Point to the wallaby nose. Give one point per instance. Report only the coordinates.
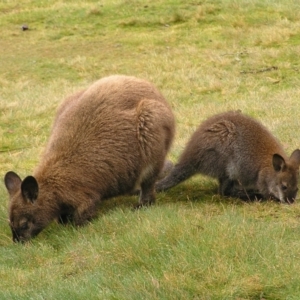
(290, 200)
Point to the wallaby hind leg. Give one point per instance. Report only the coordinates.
(167, 168)
(232, 188)
(147, 193)
(168, 165)
(178, 174)
(226, 186)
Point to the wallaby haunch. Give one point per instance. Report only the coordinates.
(239, 152)
(106, 141)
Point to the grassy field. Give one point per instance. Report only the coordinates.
(206, 57)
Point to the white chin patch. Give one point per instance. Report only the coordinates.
(277, 193)
(280, 195)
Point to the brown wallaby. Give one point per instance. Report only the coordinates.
(106, 141)
(239, 152)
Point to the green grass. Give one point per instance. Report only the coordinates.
(206, 57)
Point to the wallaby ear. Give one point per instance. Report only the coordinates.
(12, 182)
(30, 189)
(278, 162)
(295, 157)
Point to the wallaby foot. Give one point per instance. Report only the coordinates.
(147, 201)
(226, 186)
(147, 197)
(246, 195)
(232, 188)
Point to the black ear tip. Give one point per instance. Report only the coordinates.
(30, 188)
(278, 162)
(29, 179)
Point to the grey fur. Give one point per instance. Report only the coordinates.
(242, 154)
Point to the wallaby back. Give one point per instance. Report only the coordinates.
(106, 141)
(238, 151)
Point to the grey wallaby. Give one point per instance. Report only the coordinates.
(107, 140)
(242, 154)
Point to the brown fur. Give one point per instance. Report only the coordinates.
(239, 152)
(106, 141)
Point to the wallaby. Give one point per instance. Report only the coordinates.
(242, 154)
(107, 140)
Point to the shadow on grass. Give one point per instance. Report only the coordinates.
(188, 193)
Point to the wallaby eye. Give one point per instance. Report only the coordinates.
(283, 187)
(24, 225)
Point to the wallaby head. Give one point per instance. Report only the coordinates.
(284, 185)
(105, 141)
(242, 154)
(26, 217)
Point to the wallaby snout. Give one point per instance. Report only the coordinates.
(286, 177)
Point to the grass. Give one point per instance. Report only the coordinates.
(206, 57)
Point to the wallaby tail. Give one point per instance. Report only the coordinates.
(166, 170)
(178, 174)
